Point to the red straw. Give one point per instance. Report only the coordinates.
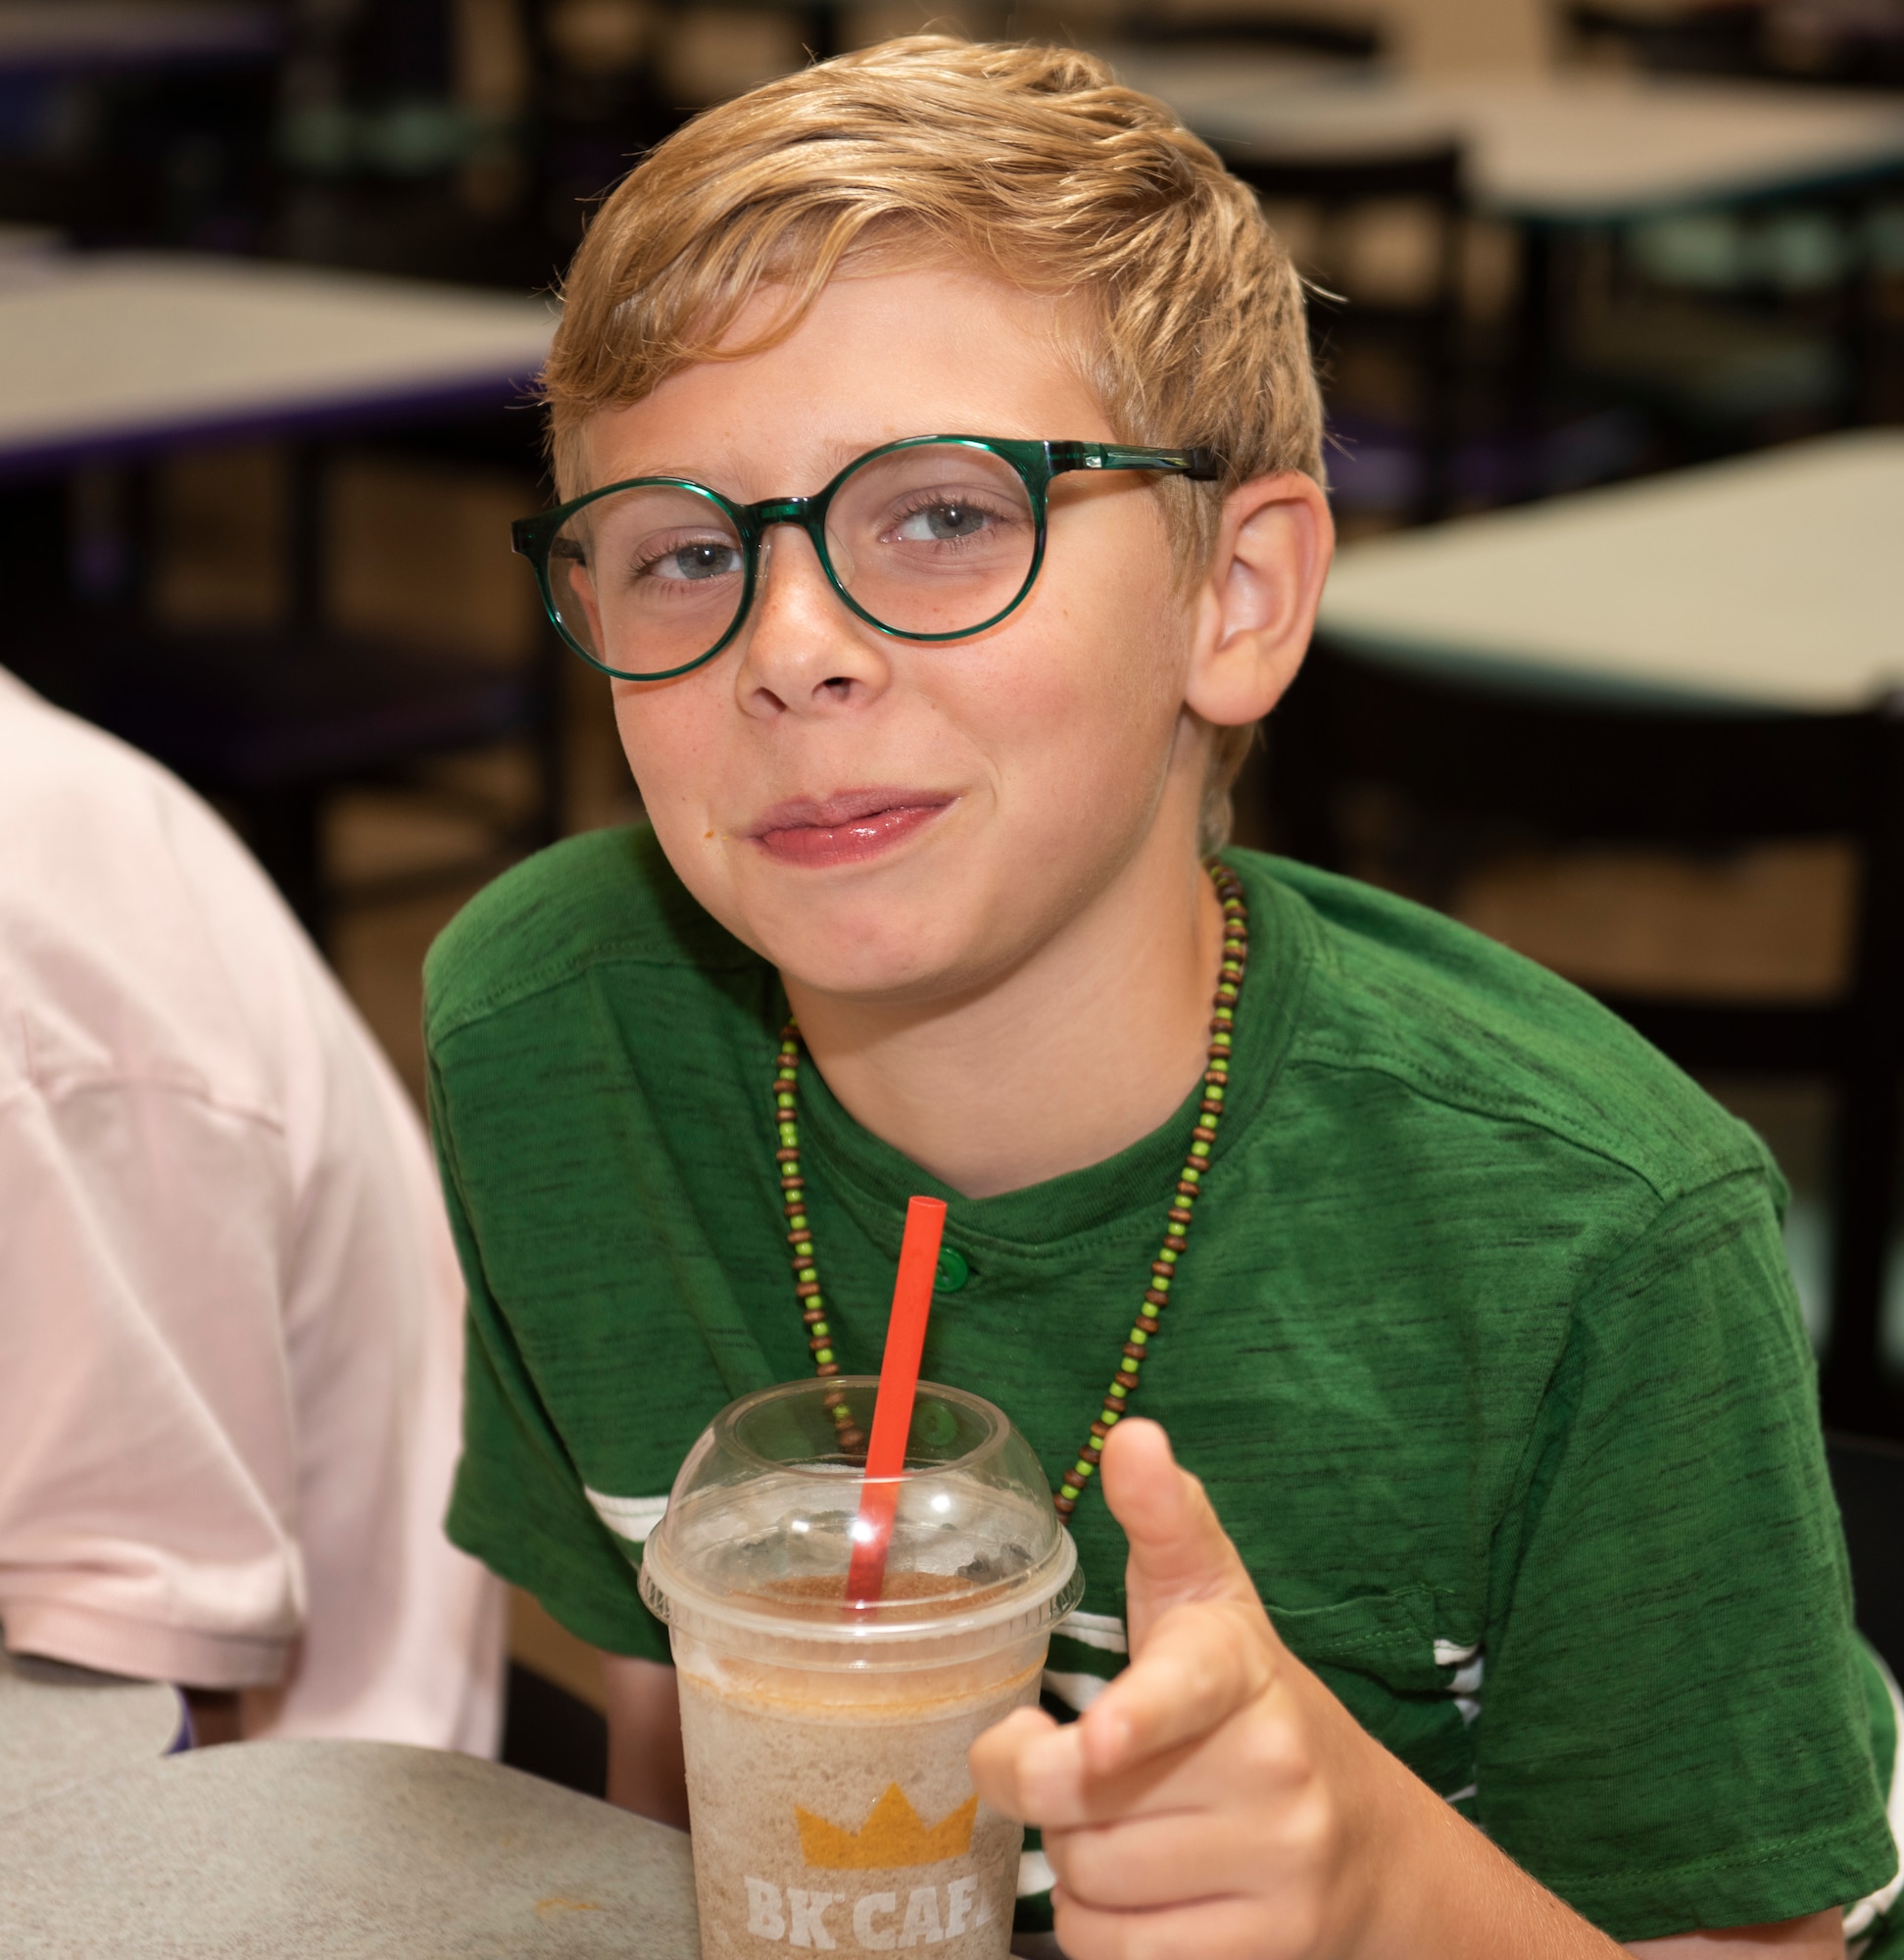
(899, 1383)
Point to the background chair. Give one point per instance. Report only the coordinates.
(1312, 30)
(1460, 764)
(1390, 359)
(1732, 328)
(1859, 45)
(273, 726)
(275, 720)
(552, 1734)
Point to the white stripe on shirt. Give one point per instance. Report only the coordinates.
(632, 1518)
(1034, 1874)
(1075, 1691)
(1104, 1631)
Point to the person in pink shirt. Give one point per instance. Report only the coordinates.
(230, 1341)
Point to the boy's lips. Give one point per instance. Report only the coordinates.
(844, 829)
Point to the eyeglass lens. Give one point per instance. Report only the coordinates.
(934, 540)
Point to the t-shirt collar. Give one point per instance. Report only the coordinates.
(1033, 1225)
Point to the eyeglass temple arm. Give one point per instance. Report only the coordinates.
(1201, 464)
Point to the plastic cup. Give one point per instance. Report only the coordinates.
(828, 1792)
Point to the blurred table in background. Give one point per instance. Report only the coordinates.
(1773, 582)
(1707, 660)
(116, 356)
(111, 361)
(143, 122)
(1801, 41)
(1578, 149)
(43, 37)
(61, 1726)
(313, 1849)
(1682, 268)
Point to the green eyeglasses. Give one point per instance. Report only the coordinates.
(933, 538)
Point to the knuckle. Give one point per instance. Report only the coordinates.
(1077, 1858)
(1210, 1679)
(1212, 1652)
(1313, 1830)
(1060, 1853)
(1010, 1798)
(1275, 1750)
(1259, 1650)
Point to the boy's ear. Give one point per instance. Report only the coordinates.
(1257, 603)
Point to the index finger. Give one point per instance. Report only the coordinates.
(1202, 1661)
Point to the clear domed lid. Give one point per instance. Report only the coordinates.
(760, 1524)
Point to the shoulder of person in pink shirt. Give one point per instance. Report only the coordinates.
(228, 1300)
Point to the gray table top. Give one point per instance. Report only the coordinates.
(61, 1726)
(114, 353)
(1566, 149)
(320, 1849)
(1772, 581)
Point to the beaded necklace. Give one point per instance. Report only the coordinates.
(1176, 1231)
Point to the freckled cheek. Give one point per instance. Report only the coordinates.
(1057, 741)
(1090, 684)
(670, 740)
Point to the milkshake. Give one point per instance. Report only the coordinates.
(831, 1805)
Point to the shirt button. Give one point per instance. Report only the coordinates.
(954, 1271)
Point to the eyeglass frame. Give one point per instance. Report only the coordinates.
(1034, 462)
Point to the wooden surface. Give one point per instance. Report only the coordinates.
(319, 1850)
(123, 351)
(63, 1726)
(1569, 149)
(1776, 582)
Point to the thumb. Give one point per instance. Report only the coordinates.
(1179, 1548)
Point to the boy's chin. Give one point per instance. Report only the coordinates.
(895, 954)
(931, 926)
(873, 976)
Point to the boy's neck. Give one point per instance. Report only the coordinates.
(1077, 1054)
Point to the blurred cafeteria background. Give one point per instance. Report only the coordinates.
(1609, 298)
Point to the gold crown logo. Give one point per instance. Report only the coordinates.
(891, 1836)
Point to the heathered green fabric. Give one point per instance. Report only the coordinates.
(1485, 1338)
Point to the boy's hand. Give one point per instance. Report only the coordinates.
(1217, 1802)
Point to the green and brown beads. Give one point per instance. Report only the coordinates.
(800, 1237)
(1176, 1231)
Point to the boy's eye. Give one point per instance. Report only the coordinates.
(937, 522)
(950, 516)
(699, 560)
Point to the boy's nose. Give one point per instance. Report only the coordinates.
(802, 649)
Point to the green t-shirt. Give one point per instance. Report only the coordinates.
(1484, 1343)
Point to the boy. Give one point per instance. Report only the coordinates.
(1469, 1312)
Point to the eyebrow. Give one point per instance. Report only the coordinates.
(655, 470)
(835, 454)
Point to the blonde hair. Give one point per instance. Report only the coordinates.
(1030, 162)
